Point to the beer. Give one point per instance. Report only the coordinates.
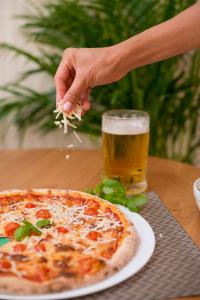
(125, 136)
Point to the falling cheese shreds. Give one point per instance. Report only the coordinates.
(77, 136)
(70, 146)
(57, 123)
(65, 117)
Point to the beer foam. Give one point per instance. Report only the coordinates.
(125, 126)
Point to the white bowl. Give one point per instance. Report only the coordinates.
(196, 190)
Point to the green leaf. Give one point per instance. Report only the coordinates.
(130, 204)
(32, 228)
(114, 192)
(98, 189)
(111, 182)
(4, 240)
(114, 184)
(44, 223)
(107, 190)
(116, 198)
(135, 202)
(89, 191)
(37, 60)
(139, 200)
(22, 232)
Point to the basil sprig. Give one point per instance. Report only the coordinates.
(21, 232)
(32, 227)
(113, 191)
(25, 230)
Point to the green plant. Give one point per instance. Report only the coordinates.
(168, 90)
(115, 192)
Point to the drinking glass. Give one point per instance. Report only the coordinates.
(125, 135)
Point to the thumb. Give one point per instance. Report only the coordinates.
(73, 95)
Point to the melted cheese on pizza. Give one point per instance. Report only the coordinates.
(84, 234)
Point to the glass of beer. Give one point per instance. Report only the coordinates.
(125, 147)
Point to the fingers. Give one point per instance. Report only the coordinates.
(70, 89)
(86, 100)
(86, 105)
(62, 81)
(71, 84)
(74, 94)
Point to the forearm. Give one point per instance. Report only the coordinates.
(173, 37)
(98, 66)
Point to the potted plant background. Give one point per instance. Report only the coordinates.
(169, 91)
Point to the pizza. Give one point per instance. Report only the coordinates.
(60, 239)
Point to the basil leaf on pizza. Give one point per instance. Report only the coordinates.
(21, 233)
(32, 228)
(44, 223)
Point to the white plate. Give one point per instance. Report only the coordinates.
(196, 191)
(143, 254)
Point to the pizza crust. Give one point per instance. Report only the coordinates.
(126, 250)
(21, 286)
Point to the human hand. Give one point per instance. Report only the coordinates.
(82, 69)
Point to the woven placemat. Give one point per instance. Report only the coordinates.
(174, 269)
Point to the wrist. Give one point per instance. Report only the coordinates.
(120, 58)
(128, 54)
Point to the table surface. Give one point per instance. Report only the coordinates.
(171, 180)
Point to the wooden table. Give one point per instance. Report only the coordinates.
(49, 168)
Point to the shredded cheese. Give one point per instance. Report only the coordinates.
(70, 146)
(65, 117)
(77, 136)
(73, 218)
(64, 120)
